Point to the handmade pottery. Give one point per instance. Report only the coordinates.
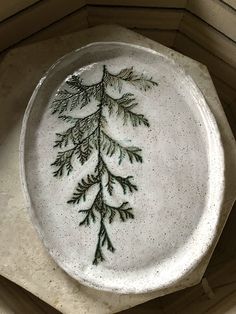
(122, 167)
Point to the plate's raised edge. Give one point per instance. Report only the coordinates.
(31, 212)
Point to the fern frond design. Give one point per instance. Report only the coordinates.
(110, 147)
(87, 136)
(140, 81)
(123, 108)
(82, 188)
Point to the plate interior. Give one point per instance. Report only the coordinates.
(173, 196)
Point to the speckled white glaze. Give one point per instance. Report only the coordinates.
(181, 180)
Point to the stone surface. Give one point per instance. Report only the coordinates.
(23, 258)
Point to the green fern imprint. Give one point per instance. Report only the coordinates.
(87, 135)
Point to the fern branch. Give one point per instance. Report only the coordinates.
(124, 182)
(140, 81)
(63, 139)
(63, 101)
(89, 215)
(68, 100)
(94, 90)
(110, 182)
(86, 91)
(80, 129)
(82, 189)
(123, 211)
(110, 147)
(82, 150)
(63, 162)
(103, 239)
(90, 212)
(123, 107)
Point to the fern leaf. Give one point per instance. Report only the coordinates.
(98, 257)
(140, 81)
(100, 167)
(86, 125)
(81, 128)
(74, 82)
(88, 217)
(105, 240)
(83, 150)
(69, 119)
(126, 184)
(86, 91)
(110, 183)
(133, 154)
(63, 162)
(127, 100)
(110, 147)
(64, 101)
(134, 118)
(64, 138)
(123, 107)
(123, 211)
(80, 95)
(82, 189)
(61, 102)
(90, 213)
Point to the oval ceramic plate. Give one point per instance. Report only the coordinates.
(122, 166)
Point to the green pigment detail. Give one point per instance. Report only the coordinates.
(88, 135)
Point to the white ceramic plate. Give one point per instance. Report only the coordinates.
(122, 168)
